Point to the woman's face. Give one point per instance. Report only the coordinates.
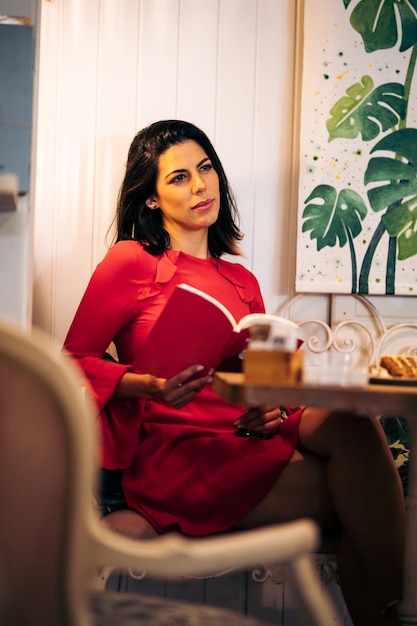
(187, 189)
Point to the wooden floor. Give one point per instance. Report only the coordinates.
(263, 592)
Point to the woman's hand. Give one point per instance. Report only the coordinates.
(175, 391)
(264, 420)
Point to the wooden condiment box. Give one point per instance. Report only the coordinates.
(272, 366)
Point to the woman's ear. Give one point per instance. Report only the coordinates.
(151, 203)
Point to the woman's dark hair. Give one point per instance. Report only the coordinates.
(135, 220)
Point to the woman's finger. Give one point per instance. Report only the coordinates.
(178, 393)
(260, 419)
(180, 379)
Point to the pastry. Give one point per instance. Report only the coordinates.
(399, 365)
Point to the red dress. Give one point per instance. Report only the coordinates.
(184, 468)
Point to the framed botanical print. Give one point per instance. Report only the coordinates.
(357, 186)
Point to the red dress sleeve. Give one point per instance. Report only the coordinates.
(108, 304)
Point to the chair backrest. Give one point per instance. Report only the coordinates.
(36, 484)
(52, 544)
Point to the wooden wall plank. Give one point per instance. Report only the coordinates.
(235, 104)
(45, 175)
(117, 80)
(273, 217)
(197, 63)
(74, 158)
(158, 60)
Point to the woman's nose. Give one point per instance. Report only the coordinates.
(198, 184)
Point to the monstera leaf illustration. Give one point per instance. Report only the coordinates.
(376, 22)
(331, 216)
(399, 173)
(366, 110)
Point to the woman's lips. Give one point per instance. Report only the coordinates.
(204, 205)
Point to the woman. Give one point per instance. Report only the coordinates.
(173, 441)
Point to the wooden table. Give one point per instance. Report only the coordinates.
(381, 399)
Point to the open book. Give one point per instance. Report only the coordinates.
(195, 328)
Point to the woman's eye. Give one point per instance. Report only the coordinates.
(206, 167)
(178, 178)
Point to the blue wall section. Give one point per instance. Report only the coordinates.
(16, 90)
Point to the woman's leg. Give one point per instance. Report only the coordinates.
(367, 495)
(116, 514)
(129, 523)
(344, 474)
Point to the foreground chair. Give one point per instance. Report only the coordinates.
(52, 544)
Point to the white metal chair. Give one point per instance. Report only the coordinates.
(52, 544)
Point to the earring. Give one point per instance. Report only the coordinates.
(151, 204)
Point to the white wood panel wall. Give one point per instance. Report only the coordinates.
(110, 67)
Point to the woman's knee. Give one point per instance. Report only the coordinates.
(301, 490)
(325, 432)
(130, 524)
